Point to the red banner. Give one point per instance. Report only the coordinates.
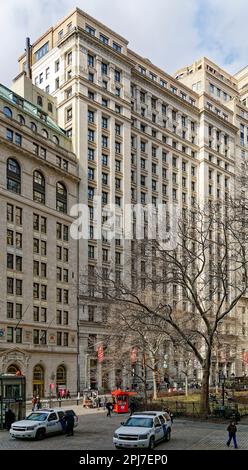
(100, 353)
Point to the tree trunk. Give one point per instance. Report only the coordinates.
(154, 379)
(204, 400)
(186, 385)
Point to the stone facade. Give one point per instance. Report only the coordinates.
(38, 269)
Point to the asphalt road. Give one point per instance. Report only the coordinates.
(95, 432)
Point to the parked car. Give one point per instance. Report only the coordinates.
(145, 429)
(42, 423)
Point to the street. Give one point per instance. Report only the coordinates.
(95, 432)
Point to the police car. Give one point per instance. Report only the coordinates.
(143, 430)
(42, 423)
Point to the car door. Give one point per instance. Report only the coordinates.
(159, 433)
(53, 424)
(164, 425)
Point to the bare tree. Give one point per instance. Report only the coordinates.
(187, 292)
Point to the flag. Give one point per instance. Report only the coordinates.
(100, 353)
(245, 357)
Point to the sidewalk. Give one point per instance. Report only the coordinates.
(68, 405)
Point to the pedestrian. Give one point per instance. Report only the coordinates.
(232, 429)
(9, 418)
(62, 421)
(34, 401)
(132, 407)
(109, 407)
(69, 418)
(38, 403)
(68, 395)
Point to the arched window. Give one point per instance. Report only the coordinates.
(21, 119)
(55, 140)
(61, 376)
(33, 126)
(39, 101)
(44, 133)
(13, 369)
(39, 189)
(38, 381)
(61, 198)
(13, 176)
(7, 111)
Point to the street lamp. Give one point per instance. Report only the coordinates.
(233, 383)
(222, 379)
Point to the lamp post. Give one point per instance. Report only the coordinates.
(222, 379)
(233, 383)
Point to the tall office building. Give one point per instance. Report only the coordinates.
(141, 136)
(38, 269)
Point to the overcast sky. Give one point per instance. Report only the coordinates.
(171, 33)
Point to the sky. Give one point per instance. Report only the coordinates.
(171, 33)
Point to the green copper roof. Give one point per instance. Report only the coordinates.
(30, 108)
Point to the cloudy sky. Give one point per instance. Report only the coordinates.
(171, 33)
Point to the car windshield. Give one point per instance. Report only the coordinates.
(139, 422)
(37, 417)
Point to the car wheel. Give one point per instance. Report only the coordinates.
(152, 443)
(168, 435)
(40, 434)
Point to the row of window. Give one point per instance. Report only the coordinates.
(14, 311)
(14, 335)
(105, 102)
(39, 186)
(103, 38)
(8, 113)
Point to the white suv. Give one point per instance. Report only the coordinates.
(40, 424)
(144, 429)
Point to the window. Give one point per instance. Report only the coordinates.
(21, 120)
(117, 165)
(90, 30)
(104, 123)
(10, 334)
(18, 287)
(90, 60)
(103, 38)
(117, 76)
(13, 176)
(61, 198)
(39, 192)
(117, 47)
(104, 68)
(104, 141)
(104, 159)
(69, 114)
(91, 135)
(10, 310)
(9, 135)
(91, 154)
(69, 58)
(104, 102)
(56, 83)
(90, 77)
(42, 51)
(7, 112)
(33, 126)
(91, 173)
(91, 251)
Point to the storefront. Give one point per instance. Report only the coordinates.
(12, 396)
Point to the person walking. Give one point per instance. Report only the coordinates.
(132, 407)
(232, 429)
(34, 401)
(109, 407)
(9, 418)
